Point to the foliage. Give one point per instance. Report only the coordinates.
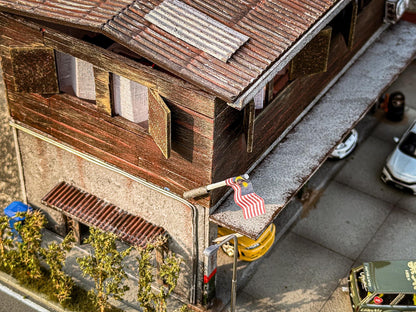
(105, 267)
(168, 272)
(55, 256)
(6, 241)
(26, 253)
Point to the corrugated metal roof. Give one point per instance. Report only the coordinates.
(196, 28)
(273, 26)
(96, 212)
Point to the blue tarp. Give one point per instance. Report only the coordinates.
(11, 211)
(14, 208)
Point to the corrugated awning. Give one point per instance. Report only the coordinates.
(293, 161)
(93, 211)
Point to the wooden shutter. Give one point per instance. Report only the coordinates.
(34, 70)
(249, 119)
(160, 122)
(102, 91)
(313, 59)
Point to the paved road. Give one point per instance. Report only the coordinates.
(12, 301)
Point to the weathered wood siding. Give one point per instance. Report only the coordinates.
(91, 129)
(230, 155)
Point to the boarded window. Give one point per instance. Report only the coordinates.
(131, 100)
(76, 77)
(160, 122)
(313, 59)
(34, 70)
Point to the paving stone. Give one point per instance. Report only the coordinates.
(395, 239)
(345, 220)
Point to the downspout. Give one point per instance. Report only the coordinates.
(192, 296)
(19, 165)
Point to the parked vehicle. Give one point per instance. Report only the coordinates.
(400, 167)
(383, 286)
(249, 249)
(346, 146)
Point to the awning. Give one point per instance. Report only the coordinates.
(93, 211)
(295, 159)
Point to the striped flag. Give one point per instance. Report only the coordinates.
(244, 196)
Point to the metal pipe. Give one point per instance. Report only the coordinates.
(19, 166)
(234, 277)
(156, 188)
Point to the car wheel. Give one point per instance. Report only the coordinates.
(228, 249)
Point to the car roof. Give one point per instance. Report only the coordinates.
(391, 276)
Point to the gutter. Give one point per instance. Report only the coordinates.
(192, 295)
(256, 87)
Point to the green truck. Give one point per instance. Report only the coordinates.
(383, 286)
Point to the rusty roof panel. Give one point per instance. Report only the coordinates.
(196, 28)
(93, 211)
(272, 26)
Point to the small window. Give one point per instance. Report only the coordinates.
(383, 299)
(407, 300)
(75, 76)
(131, 100)
(362, 4)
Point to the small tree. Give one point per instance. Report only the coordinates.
(55, 256)
(168, 272)
(26, 255)
(105, 267)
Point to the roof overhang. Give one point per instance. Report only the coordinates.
(290, 163)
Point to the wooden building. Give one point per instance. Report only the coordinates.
(121, 106)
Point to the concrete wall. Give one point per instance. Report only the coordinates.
(45, 165)
(9, 178)
(412, 6)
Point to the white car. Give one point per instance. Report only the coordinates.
(346, 146)
(400, 167)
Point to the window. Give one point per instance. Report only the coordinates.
(131, 100)
(362, 4)
(75, 76)
(344, 23)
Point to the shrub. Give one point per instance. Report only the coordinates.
(55, 256)
(105, 267)
(168, 273)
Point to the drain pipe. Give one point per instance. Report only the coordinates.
(19, 165)
(192, 296)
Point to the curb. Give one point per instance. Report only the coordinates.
(39, 298)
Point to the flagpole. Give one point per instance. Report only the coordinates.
(203, 190)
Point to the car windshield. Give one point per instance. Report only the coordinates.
(408, 146)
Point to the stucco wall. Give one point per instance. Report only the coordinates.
(412, 6)
(9, 178)
(45, 165)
